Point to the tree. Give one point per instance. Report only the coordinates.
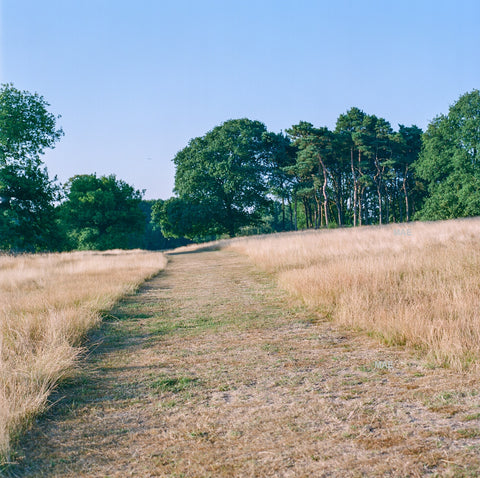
(222, 179)
(315, 155)
(177, 218)
(281, 156)
(407, 144)
(450, 161)
(27, 195)
(101, 213)
(152, 238)
(27, 212)
(349, 127)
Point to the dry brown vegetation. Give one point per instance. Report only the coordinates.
(48, 303)
(416, 285)
(209, 370)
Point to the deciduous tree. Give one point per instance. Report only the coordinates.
(222, 178)
(27, 195)
(101, 213)
(450, 161)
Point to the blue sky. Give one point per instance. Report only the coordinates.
(135, 80)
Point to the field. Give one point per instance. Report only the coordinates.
(48, 304)
(343, 353)
(416, 285)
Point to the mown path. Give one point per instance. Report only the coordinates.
(211, 371)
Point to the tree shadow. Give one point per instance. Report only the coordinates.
(94, 382)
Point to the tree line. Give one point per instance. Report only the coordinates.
(240, 178)
(39, 214)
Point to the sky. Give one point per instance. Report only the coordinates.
(135, 80)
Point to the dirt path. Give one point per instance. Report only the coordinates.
(211, 371)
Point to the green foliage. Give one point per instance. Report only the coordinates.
(101, 213)
(152, 238)
(26, 127)
(177, 218)
(450, 161)
(27, 214)
(221, 181)
(27, 195)
(241, 179)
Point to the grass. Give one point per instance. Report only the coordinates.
(420, 290)
(269, 390)
(173, 384)
(49, 302)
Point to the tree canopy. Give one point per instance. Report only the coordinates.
(450, 161)
(240, 178)
(27, 195)
(221, 181)
(101, 213)
(26, 126)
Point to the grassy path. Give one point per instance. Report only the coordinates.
(211, 371)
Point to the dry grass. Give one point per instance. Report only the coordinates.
(209, 370)
(415, 285)
(47, 304)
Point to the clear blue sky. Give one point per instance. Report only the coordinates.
(135, 80)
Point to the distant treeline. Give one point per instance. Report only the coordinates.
(38, 214)
(240, 178)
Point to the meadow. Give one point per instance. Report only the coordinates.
(214, 370)
(49, 302)
(414, 285)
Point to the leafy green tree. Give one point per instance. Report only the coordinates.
(27, 212)
(349, 127)
(222, 180)
(281, 156)
(406, 144)
(26, 126)
(450, 161)
(101, 213)
(377, 148)
(315, 155)
(27, 195)
(152, 238)
(177, 218)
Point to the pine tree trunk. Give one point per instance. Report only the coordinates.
(379, 194)
(296, 213)
(324, 189)
(360, 192)
(407, 209)
(355, 186)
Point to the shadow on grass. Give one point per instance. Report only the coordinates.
(95, 383)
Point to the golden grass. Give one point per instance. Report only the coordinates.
(48, 303)
(416, 285)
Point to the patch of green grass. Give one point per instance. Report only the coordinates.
(270, 348)
(443, 398)
(474, 416)
(166, 383)
(198, 324)
(365, 368)
(161, 328)
(199, 434)
(226, 387)
(469, 432)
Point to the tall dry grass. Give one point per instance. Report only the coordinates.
(416, 284)
(48, 303)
